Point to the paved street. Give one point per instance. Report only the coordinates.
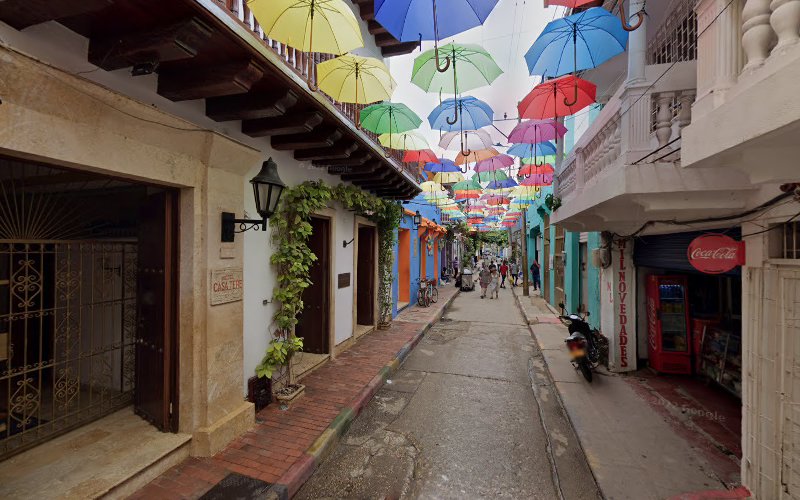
(470, 414)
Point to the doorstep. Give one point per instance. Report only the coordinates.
(633, 450)
(113, 456)
(285, 446)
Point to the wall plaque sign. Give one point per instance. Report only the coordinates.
(344, 280)
(227, 285)
(715, 253)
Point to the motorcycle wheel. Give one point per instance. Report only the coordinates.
(586, 370)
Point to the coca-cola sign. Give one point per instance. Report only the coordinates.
(715, 253)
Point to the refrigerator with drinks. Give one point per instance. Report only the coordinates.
(668, 332)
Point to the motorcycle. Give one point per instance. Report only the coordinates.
(583, 342)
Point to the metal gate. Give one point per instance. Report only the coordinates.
(67, 336)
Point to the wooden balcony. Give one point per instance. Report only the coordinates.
(214, 50)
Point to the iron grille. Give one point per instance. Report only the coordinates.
(67, 330)
(676, 39)
(791, 245)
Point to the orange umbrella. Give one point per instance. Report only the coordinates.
(476, 156)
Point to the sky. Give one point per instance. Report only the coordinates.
(509, 31)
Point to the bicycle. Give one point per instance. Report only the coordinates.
(427, 292)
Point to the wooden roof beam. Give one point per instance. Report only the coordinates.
(323, 137)
(353, 159)
(210, 81)
(21, 14)
(340, 150)
(253, 105)
(293, 123)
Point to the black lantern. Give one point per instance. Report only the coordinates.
(267, 190)
(417, 220)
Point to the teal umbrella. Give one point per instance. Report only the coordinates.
(471, 67)
(389, 118)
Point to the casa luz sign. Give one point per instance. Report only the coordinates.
(715, 253)
(227, 285)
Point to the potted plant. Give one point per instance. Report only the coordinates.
(278, 361)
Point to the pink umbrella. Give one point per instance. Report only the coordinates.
(538, 180)
(495, 163)
(535, 131)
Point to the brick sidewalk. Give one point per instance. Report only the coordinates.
(284, 447)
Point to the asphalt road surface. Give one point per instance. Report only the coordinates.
(471, 414)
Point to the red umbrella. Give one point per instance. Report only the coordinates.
(536, 170)
(549, 98)
(497, 200)
(420, 156)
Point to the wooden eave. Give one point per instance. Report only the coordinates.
(203, 52)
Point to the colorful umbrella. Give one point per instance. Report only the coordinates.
(403, 141)
(476, 156)
(463, 113)
(497, 200)
(497, 175)
(536, 131)
(467, 185)
(420, 156)
(472, 67)
(448, 177)
(577, 42)
(549, 99)
(537, 180)
(355, 79)
(498, 162)
(431, 187)
(472, 139)
(502, 184)
(468, 195)
(574, 4)
(536, 169)
(527, 150)
(534, 160)
(389, 117)
(442, 165)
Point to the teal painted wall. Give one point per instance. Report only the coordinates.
(594, 283)
(572, 271)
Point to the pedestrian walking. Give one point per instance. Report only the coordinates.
(514, 273)
(503, 273)
(484, 277)
(537, 281)
(494, 282)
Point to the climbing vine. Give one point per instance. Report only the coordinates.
(291, 229)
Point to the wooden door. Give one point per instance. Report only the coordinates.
(404, 265)
(313, 325)
(365, 287)
(156, 319)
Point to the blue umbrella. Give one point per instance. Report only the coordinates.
(577, 42)
(507, 183)
(412, 20)
(445, 166)
(470, 114)
(530, 150)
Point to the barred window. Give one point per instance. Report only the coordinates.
(676, 39)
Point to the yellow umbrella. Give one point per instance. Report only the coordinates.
(405, 141)
(448, 177)
(431, 187)
(355, 79)
(327, 26)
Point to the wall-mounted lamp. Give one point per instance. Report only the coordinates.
(417, 220)
(345, 242)
(267, 190)
(145, 68)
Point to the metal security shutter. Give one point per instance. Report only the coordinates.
(668, 251)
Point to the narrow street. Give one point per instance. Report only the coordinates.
(471, 413)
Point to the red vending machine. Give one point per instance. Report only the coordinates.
(668, 333)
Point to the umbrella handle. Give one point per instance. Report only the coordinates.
(625, 25)
(455, 118)
(439, 67)
(574, 100)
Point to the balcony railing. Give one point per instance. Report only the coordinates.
(627, 131)
(298, 61)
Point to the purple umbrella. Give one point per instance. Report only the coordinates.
(535, 131)
(498, 162)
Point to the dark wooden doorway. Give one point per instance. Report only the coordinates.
(155, 397)
(314, 322)
(365, 286)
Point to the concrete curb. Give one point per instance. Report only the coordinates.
(292, 480)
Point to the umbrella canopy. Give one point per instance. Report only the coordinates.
(497, 200)
(577, 42)
(420, 156)
(355, 79)
(403, 141)
(538, 160)
(471, 139)
(413, 20)
(327, 26)
(497, 175)
(475, 156)
(528, 150)
(549, 99)
(574, 4)
(463, 113)
(431, 187)
(468, 195)
(442, 165)
(536, 169)
(389, 117)
(448, 177)
(538, 180)
(535, 131)
(467, 185)
(505, 183)
(471, 67)
(498, 162)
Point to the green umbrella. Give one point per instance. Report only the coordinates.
(389, 117)
(471, 67)
(539, 160)
(497, 175)
(467, 185)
